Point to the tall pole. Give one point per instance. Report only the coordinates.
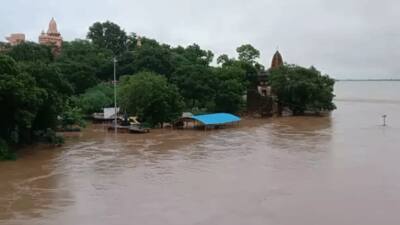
(115, 96)
(384, 120)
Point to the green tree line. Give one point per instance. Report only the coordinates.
(40, 92)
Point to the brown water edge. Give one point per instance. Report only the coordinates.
(37, 183)
(28, 183)
(294, 170)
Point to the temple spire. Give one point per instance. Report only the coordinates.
(277, 60)
(52, 27)
(52, 38)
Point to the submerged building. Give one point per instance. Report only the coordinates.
(260, 97)
(52, 37)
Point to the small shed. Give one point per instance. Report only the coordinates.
(108, 114)
(215, 120)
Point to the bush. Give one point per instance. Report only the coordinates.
(49, 136)
(5, 152)
(302, 89)
(96, 98)
(150, 97)
(70, 117)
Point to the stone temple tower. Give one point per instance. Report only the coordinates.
(277, 60)
(52, 37)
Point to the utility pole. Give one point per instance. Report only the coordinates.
(115, 95)
(384, 120)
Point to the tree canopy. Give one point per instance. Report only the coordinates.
(96, 98)
(109, 36)
(31, 52)
(301, 89)
(162, 104)
(20, 98)
(40, 92)
(247, 53)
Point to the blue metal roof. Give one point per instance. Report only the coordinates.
(216, 118)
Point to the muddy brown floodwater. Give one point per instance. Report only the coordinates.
(342, 169)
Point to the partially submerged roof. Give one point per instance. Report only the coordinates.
(216, 118)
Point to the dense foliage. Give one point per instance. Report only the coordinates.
(20, 100)
(84, 65)
(301, 89)
(109, 36)
(41, 92)
(162, 104)
(95, 98)
(5, 152)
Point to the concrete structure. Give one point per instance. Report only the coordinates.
(15, 39)
(109, 113)
(260, 97)
(52, 37)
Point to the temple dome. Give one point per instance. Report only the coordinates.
(277, 60)
(52, 27)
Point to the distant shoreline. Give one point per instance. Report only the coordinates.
(367, 79)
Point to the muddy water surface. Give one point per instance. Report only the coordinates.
(343, 169)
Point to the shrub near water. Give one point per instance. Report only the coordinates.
(48, 136)
(302, 89)
(150, 97)
(96, 98)
(5, 153)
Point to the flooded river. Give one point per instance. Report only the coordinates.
(343, 169)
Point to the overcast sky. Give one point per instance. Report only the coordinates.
(344, 38)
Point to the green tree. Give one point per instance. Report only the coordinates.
(96, 98)
(195, 55)
(71, 116)
(301, 89)
(197, 85)
(20, 99)
(231, 86)
(56, 89)
(110, 36)
(247, 53)
(247, 62)
(153, 58)
(84, 64)
(224, 60)
(31, 52)
(150, 56)
(80, 75)
(88, 55)
(150, 97)
(8, 65)
(5, 152)
(4, 46)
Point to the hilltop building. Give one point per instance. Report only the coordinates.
(15, 39)
(260, 97)
(52, 37)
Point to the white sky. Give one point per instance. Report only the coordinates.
(344, 38)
